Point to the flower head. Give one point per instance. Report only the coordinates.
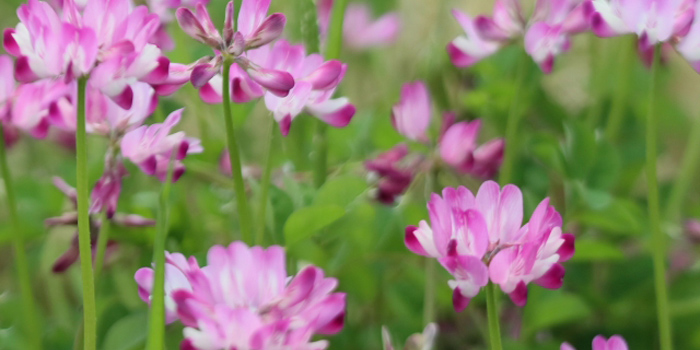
(411, 116)
(393, 177)
(477, 238)
(615, 342)
(458, 148)
(227, 304)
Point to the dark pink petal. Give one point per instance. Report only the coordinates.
(202, 73)
(460, 58)
(160, 74)
(566, 251)
(459, 301)
(519, 295)
(554, 278)
(268, 31)
(229, 29)
(285, 124)
(277, 82)
(125, 99)
(244, 90)
(23, 72)
(10, 44)
(210, 95)
(412, 242)
(337, 113)
(326, 76)
(600, 27)
(489, 30)
(193, 27)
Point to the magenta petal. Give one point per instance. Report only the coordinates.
(268, 31)
(160, 73)
(125, 99)
(187, 345)
(459, 301)
(210, 95)
(567, 249)
(339, 117)
(285, 124)
(10, 43)
(326, 75)
(519, 295)
(183, 299)
(552, 279)
(412, 242)
(458, 57)
(489, 29)
(23, 72)
(202, 73)
(600, 27)
(277, 82)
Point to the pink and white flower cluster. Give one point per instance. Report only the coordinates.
(615, 342)
(547, 33)
(457, 145)
(290, 80)
(244, 299)
(360, 30)
(481, 237)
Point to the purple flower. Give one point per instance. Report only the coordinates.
(458, 148)
(227, 304)
(411, 116)
(254, 29)
(615, 342)
(547, 32)
(151, 147)
(393, 178)
(480, 237)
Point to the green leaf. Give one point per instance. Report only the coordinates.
(580, 149)
(128, 333)
(340, 191)
(593, 250)
(553, 310)
(621, 216)
(304, 222)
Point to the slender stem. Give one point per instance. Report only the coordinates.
(102, 239)
(89, 309)
(691, 158)
(238, 185)
(429, 296)
(658, 243)
(156, 334)
(265, 185)
(506, 175)
(321, 145)
(617, 110)
(31, 323)
(492, 310)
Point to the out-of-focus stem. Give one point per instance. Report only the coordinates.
(493, 319)
(617, 109)
(506, 175)
(689, 167)
(265, 185)
(102, 239)
(31, 323)
(658, 242)
(156, 333)
(429, 296)
(235, 158)
(84, 244)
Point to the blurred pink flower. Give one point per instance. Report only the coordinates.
(480, 237)
(107, 40)
(151, 147)
(261, 308)
(165, 11)
(418, 341)
(692, 230)
(615, 342)
(653, 21)
(458, 148)
(360, 30)
(546, 33)
(411, 116)
(393, 178)
(689, 45)
(254, 29)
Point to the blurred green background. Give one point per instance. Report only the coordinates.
(595, 181)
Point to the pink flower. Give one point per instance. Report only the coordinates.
(615, 342)
(393, 179)
(547, 32)
(422, 341)
(254, 29)
(480, 237)
(33, 104)
(7, 87)
(689, 45)
(653, 21)
(315, 83)
(411, 116)
(458, 148)
(151, 147)
(108, 40)
(361, 32)
(261, 308)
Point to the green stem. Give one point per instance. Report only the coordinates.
(506, 175)
(156, 334)
(492, 310)
(89, 308)
(31, 323)
(617, 110)
(102, 240)
(658, 243)
(265, 185)
(686, 175)
(235, 157)
(429, 296)
(321, 145)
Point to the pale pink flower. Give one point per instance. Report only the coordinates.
(254, 29)
(361, 31)
(653, 21)
(689, 45)
(411, 116)
(261, 308)
(458, 148)
(34, 102)
(467, 233)
(7, 87)
(546, 33)
(615, 342)
(151, 147)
